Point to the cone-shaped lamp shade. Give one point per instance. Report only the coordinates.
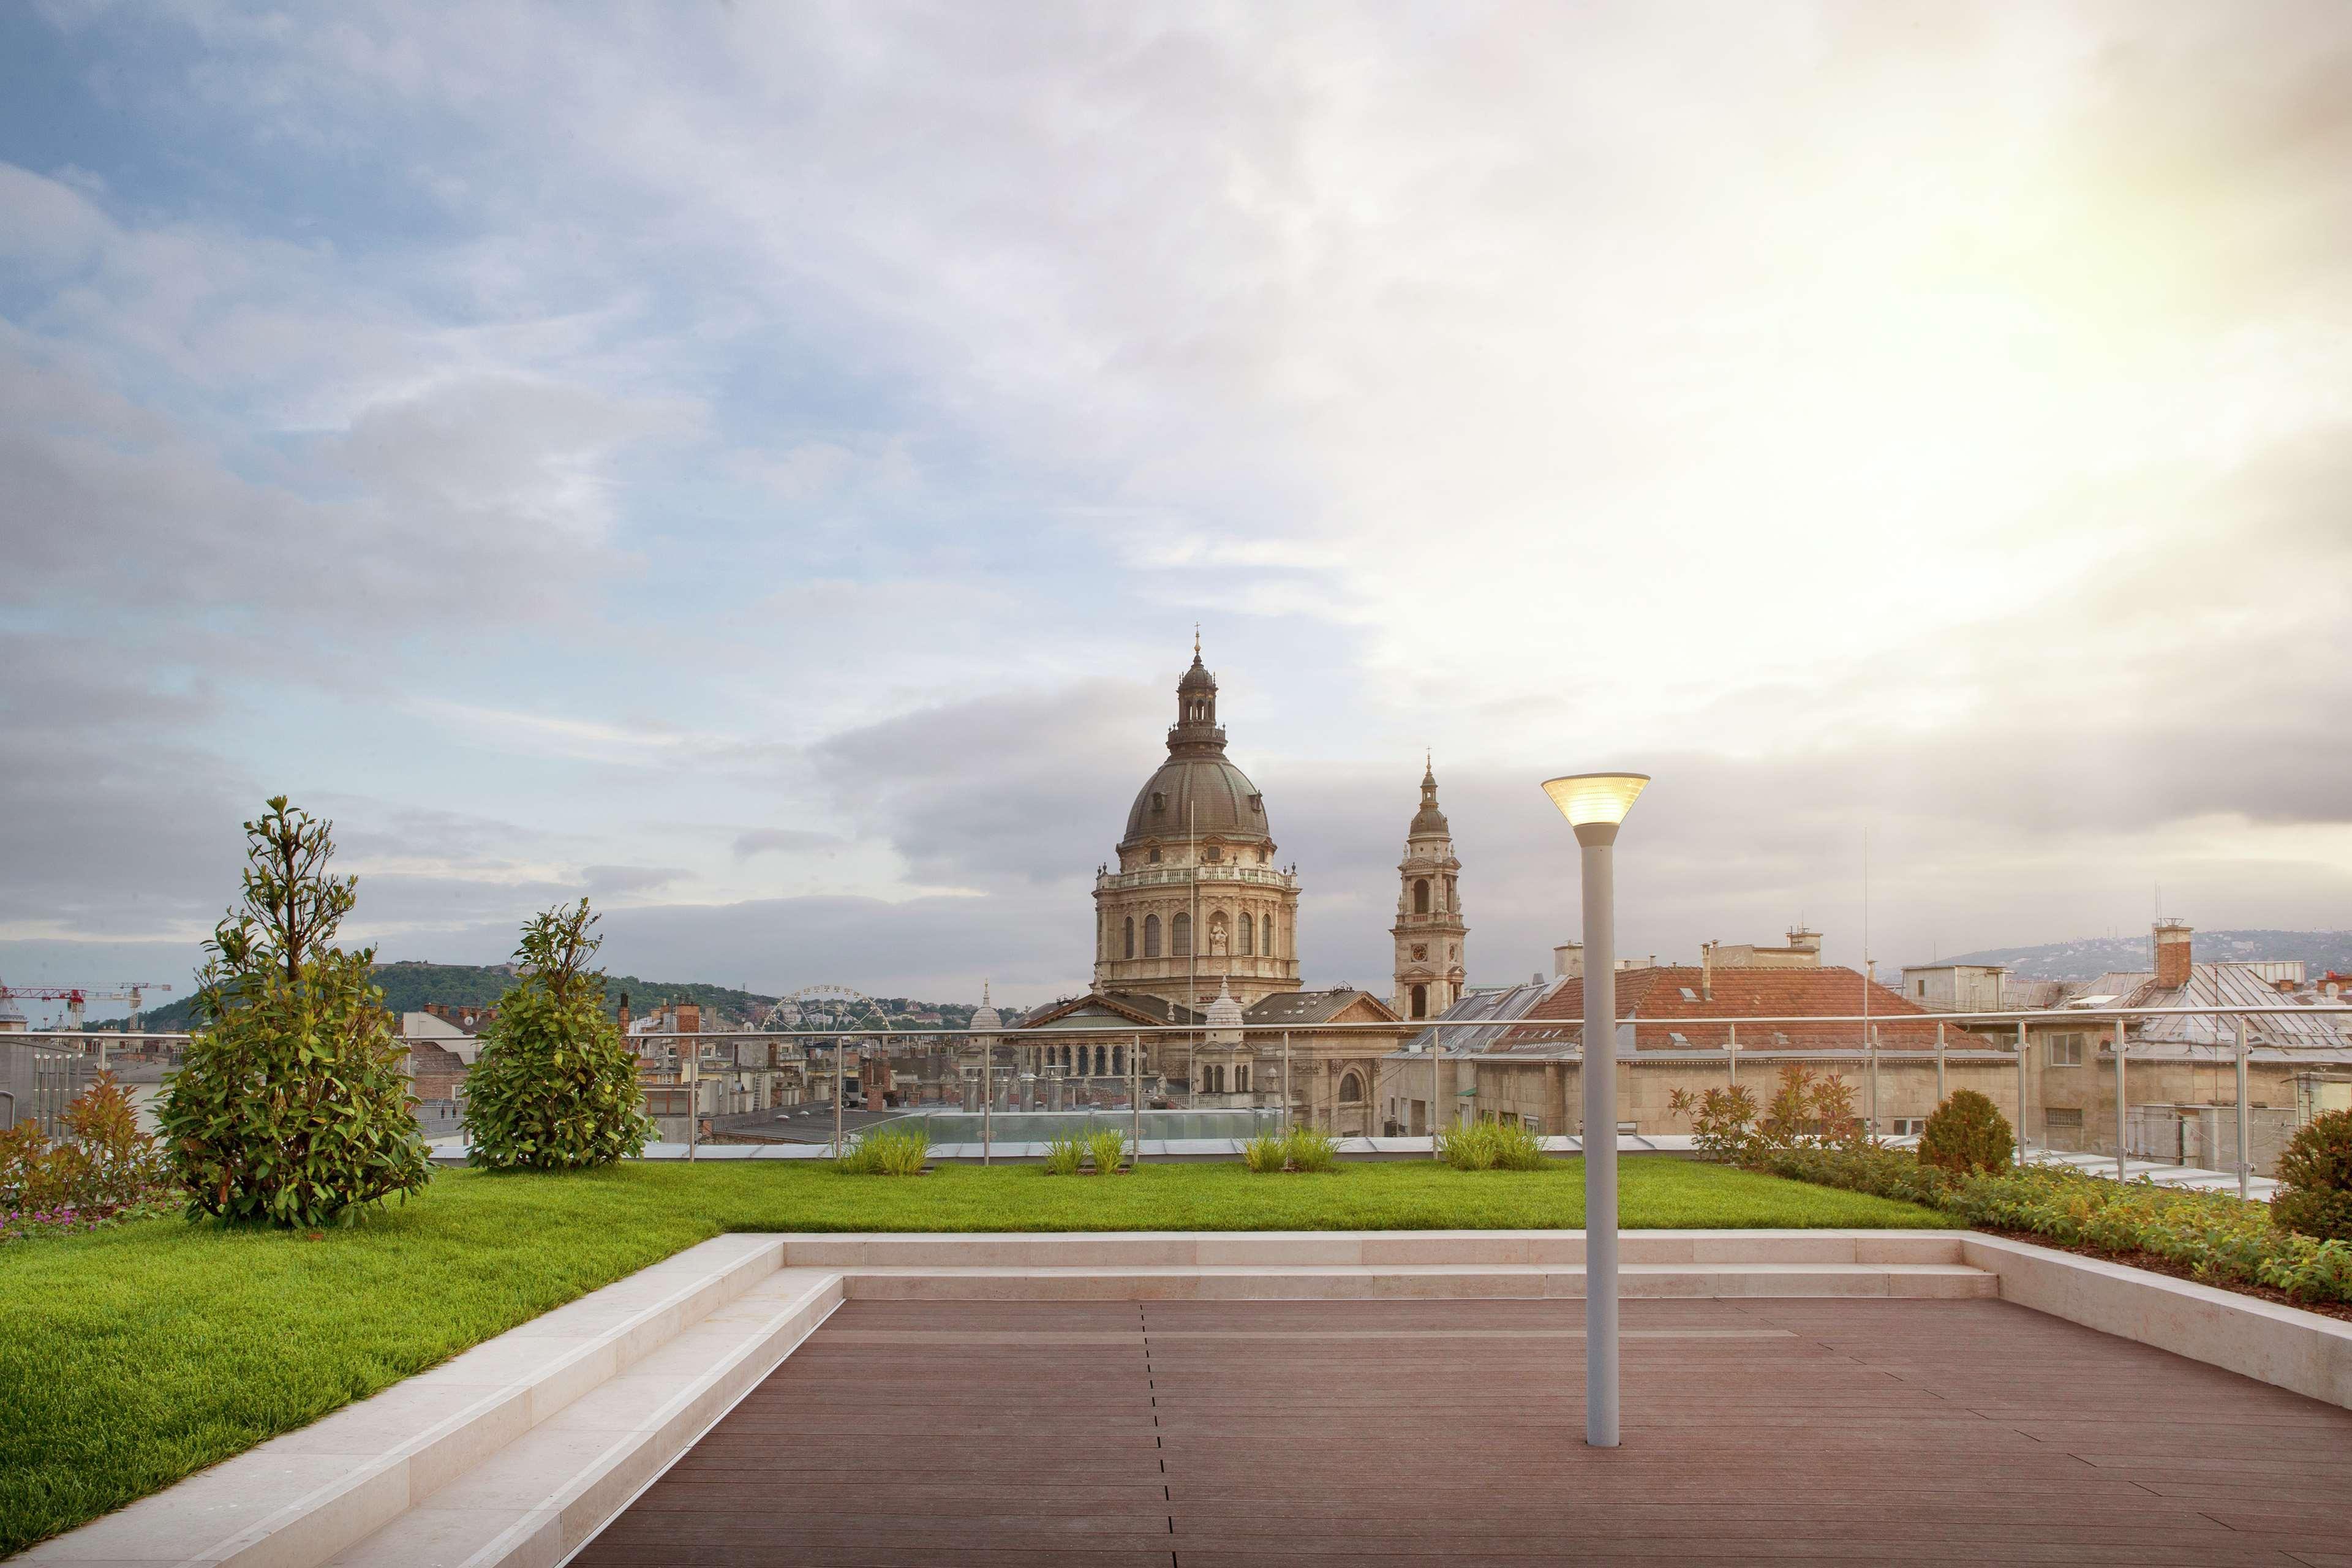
(1595, 797)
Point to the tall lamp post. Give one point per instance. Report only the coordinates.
(1594, 805)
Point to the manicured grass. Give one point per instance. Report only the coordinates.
(137, 1355)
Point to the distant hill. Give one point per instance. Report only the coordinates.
(409, 983)
(2092, 956)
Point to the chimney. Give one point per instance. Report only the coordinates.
(689, 1018)
(1707, 971)
(1568, 959)
(2172, 954)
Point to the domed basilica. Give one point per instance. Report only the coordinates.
(1198, 927)
(1197, 899)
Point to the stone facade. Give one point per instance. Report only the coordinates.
(1197, 902)
(1429, 932)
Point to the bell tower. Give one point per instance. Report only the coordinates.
(1428, 930)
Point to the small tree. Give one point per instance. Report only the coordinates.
(2315, 1196)
(293, 1105)
(1723, 1121)
(555, 1087)
(1967, 1134)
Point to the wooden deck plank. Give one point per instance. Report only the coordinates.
(1198, 1433)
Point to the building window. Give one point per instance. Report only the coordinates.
(1421, 897)
(1131, 938)
(1216, 852)
(1153, 858)
(1923, 989)
(1242, 934)
(1152, 936)
(1351, 1090)
(2066, 1051)
(1181, 929)
(1159, 801)
(1421, 1000)
(1261, 856)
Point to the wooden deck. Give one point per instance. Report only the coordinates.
(1187, 1435)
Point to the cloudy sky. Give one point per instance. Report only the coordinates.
(759, 465)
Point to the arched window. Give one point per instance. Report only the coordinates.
(1421, 897)
(1351, 1090)
(1241, 1079)
(1152, 936)
(1154, 856)
(1269, 936)
(1131, 938)
(1215, 1076)
(1242, 932)
(1182, 932)
(1421, 1000)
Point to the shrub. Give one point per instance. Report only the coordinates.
(888, 1151)
(1467, 1145)
(106, 1170)
(1064, 1154)
(2214, 1236)
(1108, 1147)
(556, 1087)
(1516, 1147)
(2315, 1197)
(293, 1105)
(1723, 1121)
(1967, 1133)
(1310, 1149)
(1266, 1153)
(1807, 1110)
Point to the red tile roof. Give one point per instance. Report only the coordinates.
(1675, 992)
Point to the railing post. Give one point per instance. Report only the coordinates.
(2245, 1122)
(1939, 1062)
(2021, 1092)
(988, 1100)
(1731, 1055)
(1135, 1090)
(2120, 1101)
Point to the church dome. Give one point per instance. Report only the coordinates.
(1197, 789)
(1207, 796)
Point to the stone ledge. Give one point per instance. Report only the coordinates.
(2285, 1347)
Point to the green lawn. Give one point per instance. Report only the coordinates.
(134, 1356)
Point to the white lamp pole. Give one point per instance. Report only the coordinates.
(1594, 805)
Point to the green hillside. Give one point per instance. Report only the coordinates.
(409, 983)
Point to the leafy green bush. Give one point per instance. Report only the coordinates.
(2216, 1236)
(888, 1151)
(1807, 1110)
(556, 1087)
(1065, 1153)
(2315, 1197)
(1310, 1149)
(1967, 1133)
(1108, 1145)
(293, 1105)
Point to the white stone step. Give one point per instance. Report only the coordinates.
(1290, 1249)
(536, 1501)
(1340, 1282)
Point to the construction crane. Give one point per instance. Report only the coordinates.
(73, 997)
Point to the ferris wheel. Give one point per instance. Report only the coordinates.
(839, 1006)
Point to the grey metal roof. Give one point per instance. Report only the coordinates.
(1303, 1006)
(1501, 1005)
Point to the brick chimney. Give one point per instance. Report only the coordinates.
(2172, 953)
